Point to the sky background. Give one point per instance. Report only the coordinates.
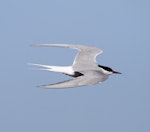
(120, 28)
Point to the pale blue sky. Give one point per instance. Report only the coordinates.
(120, 28)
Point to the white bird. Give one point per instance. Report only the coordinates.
(85, 70)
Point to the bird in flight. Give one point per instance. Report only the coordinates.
(85, 70)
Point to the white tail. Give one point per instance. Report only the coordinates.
(62, 69)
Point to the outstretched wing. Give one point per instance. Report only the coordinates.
(75, 82)
(85, 59)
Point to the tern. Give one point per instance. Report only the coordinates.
(85, 70)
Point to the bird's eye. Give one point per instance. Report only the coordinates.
(106, 68)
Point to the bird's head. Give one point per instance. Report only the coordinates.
(108, 70)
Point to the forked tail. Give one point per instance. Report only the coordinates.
(62, 69)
